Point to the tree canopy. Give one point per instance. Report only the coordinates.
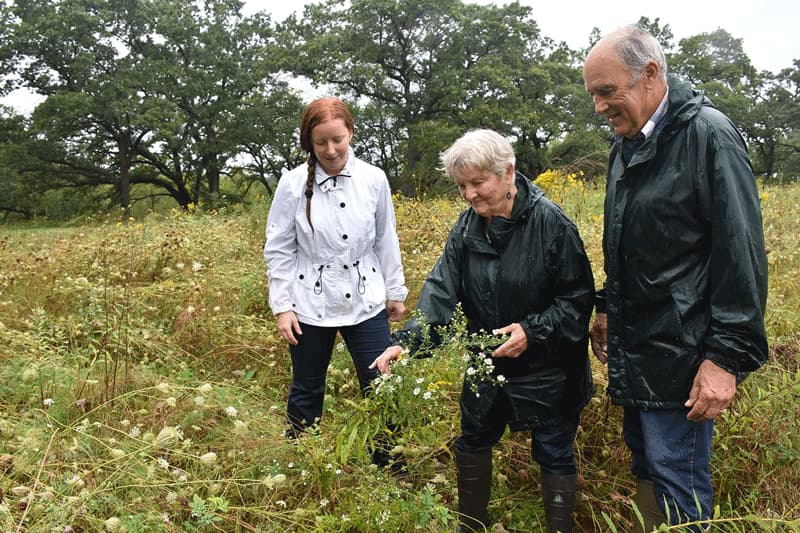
(195, 102)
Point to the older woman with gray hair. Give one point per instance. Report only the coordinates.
(517, 266)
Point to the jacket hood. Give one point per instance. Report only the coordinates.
(684, 103)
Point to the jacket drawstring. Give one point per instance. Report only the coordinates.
(318, 283)
(361, 287)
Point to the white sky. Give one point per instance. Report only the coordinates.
(769, 28)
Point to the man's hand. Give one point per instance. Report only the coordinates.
(712, 392)
(395, 309)
(515, 345)
(599, 337)
(288, 326)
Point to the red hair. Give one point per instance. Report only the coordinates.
(321, 110)
(318, 111)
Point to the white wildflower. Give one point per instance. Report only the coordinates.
(47, 402)
(113, 524)
(116, 453)
(239, 427)
(168, 438)
(205, 388)
(427, 395)
(163, 387)
(209, 458)
(199, 401)
(416, 391)
(231, 411)
(501, 378)
(196, 266)
(471, 371)
(171, 401)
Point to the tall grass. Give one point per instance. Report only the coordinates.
(143, 389)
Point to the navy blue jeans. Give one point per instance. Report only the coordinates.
(674, 454)
(312, 355)
(551, 447)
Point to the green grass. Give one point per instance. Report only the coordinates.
(143, 388)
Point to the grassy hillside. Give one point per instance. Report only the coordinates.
(144, 384)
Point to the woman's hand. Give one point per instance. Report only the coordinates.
(514, 346)
(396, 310)
(288, 326)
(382, 362)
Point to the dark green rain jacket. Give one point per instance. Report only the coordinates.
(534, 272)
(686, 269)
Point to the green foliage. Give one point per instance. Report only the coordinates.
(151, 104)
(143, 386)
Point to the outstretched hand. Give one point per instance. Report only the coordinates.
(382, 361)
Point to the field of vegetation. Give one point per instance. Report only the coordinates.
(143, 389)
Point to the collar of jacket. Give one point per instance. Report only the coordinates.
(684, 104)
(327, 182)
(492, 236)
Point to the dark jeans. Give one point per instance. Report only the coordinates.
(674, 454)
(312, 355)
(551, 447)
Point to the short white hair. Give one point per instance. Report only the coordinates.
(637, 47)
(482, 149)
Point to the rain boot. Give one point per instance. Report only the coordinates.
(474, 487)
(645, 500)
(558, 494)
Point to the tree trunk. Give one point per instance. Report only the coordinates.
(124, 183)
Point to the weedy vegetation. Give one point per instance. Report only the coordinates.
(143, 389)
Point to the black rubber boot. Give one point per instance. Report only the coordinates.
(474, 487)
(645, 500)
(558, 494)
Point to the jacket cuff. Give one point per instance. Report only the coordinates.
(397, 295)
(728, 364)
(600, 304)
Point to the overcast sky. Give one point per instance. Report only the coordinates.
(770, 29)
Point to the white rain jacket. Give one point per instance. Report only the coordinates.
(343, 271)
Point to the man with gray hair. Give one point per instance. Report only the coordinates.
(680, 318)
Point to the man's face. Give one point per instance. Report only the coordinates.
(627, 107)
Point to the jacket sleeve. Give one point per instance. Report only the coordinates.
(280, 250)
(438, 299)
(567, 318)
(736, 339)
(387, 245)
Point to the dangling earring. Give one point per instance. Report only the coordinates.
(508, 195)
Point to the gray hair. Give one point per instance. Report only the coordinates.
(637, 47)
(483, 149)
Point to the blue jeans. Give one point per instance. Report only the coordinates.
(674, 454)
(312, 355)
(551, 447)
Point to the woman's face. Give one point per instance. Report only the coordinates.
(331, 142)
(486, 192)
